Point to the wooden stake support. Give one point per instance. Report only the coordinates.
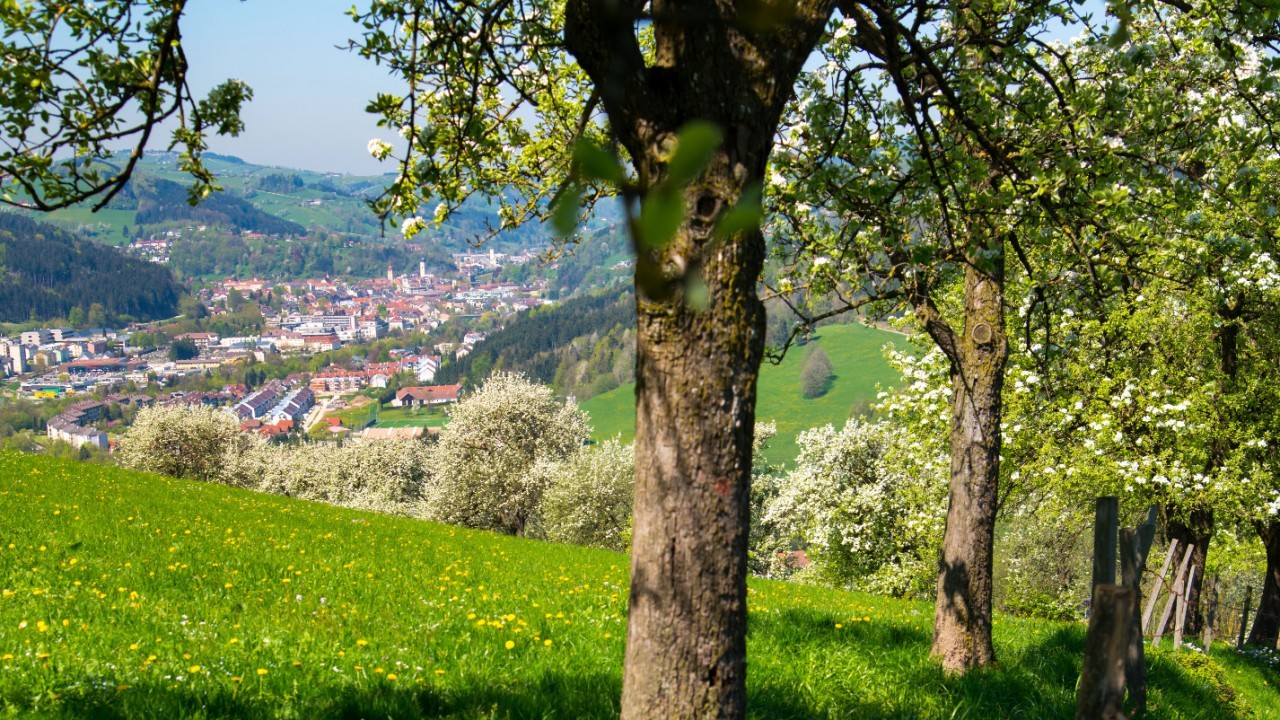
(1174, 593)
(1244, 617)
(1183, 608)
(1155, 592)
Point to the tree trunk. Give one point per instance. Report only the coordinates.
(1192, 528)
(695, 416)
(1266, 627)
(962, 620)
(700, 327)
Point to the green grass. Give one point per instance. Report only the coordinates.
(856, 354)
(404, 417)
(128, 595)
(117, 220)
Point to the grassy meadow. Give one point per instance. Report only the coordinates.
(860, 369)
(129, 595)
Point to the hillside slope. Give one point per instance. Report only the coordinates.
(47, 271)
(860, 368)
(128, 595)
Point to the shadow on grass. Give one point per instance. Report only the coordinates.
(1035, 679)
(871, 670)
(591, 696)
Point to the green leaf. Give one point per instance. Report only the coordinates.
(696, 143)
(597, 163)
(661, 213)
(564, 216)
(744, 216)
(696, 293)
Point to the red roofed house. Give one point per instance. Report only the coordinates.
(426, 395)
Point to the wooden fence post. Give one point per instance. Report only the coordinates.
(1175, 591)
(1244, 617)
(1183, 607)
(1155, 592)
(1106, 521)
(1212, 616)
(1102, 678)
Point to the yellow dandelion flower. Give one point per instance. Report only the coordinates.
(392, 676)
(362, 643)
(547, 642)
(510, 644)
(262, 671)
(439, 672)
(193, 669)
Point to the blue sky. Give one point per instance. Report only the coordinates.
(309, 95)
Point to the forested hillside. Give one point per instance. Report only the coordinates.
(46, 271)
(314, 254)
(161, 201)
(583, 346)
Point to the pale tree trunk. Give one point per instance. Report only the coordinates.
(698, 353)
(962, 618)
(1266, 626)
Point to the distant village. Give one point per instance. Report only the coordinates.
(304, 318)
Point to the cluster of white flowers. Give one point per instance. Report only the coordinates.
(868, 503)
(488, 452)
(588, 497)
(513, 459)
(412, 226)
(1259, 273)
(380, 149)
(197, 443)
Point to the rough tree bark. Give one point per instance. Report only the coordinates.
(697, 361)
(962, 620)
(1192, 527)
(1266, 628)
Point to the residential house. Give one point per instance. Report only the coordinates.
(424, 395)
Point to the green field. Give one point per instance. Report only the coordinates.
(856, 353)
(404, 417)
(117, 220)
(128, 595)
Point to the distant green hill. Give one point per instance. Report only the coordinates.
(47, 271)
(124, 595)
(161, 201)
(273, 200)
(860, 368)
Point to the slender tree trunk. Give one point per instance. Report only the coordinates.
(1266, 628)
(962, 620)
(1194, 527)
